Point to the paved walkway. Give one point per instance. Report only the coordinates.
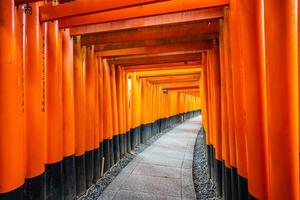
(162, 171)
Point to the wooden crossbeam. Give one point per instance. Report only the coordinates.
(155, 59)
(152, 33)
(156, 42)
(159, 66)
(142, 11)
(159, 20)
(77, 8)
(184, 48)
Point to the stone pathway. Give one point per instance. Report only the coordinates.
(162, 171)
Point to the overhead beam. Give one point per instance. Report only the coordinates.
(142, 11)
(168, 72)
(155, 42)
(152, 33)
(176, 64)
(77, 8)
(163, 82)
(19, 2)
(180, 84)
(155, 59)
(192, 93)
(177, 77)
(169, 80)
(162, 75)
(174, 18)
(155, 67)
(184, 48)
(192, 88)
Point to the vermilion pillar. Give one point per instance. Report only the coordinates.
(97, 147)
(120, 106)
(281, 36)
(107, 118)
(90, 88)
(101, 113)
(253, 57)
(34, 95)
(80, 114)
(238, 83)
(11, 102)
(54, 111)
(227, 194)
(68, 116)
(114, 104)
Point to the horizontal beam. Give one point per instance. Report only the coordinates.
(184, 48)
(192, 93)
(186, 91)
(168, 72)
(142, 11)
(152, 33)
(183, 88)
(162, 75)
(179, 64)
(179, 84)
(155, 67)
(155, 59)
(18, 2)
(170, 80)
(149, 77)
(177, 77)
(156, 42)
(174, 18)
(77, 8)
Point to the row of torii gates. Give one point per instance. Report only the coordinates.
(84, 82)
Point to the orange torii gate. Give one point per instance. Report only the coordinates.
(84, 82)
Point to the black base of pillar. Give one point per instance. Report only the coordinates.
(54, 181)
(106, 154)
(234, 183)
(15, 194)
(69, 174)
(116, 142)
(128, 141)
(227, 191)
(96, 165)
(80, 175)
(243, 187)
(89, 168)
(111, 151)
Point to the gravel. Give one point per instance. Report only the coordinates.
(94, 192)
(204, 186)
